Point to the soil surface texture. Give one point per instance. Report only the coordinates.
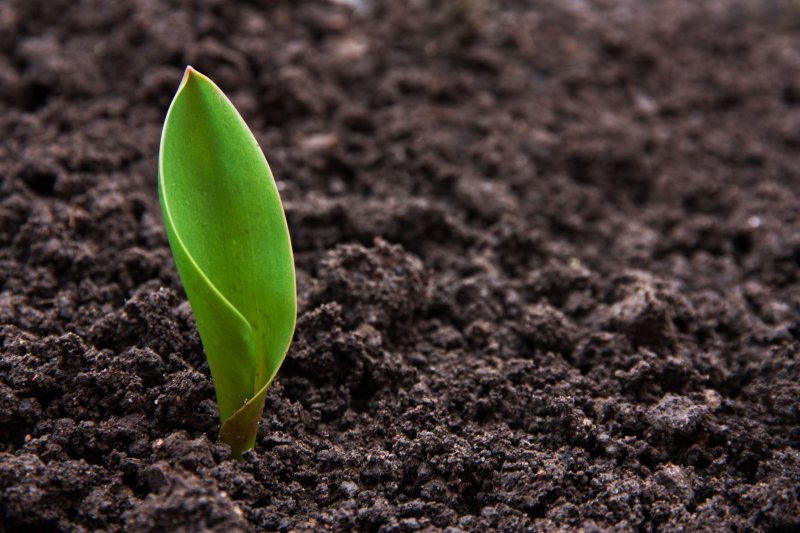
(547, 256)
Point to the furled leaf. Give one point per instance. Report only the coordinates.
(230, 241)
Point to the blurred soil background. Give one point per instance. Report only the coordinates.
(547, 259)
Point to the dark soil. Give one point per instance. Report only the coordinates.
(547, 253)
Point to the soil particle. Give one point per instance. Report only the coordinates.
(180, 503)
(676, 416)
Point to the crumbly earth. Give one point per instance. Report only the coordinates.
(547, 260)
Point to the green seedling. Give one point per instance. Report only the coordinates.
(228, 235)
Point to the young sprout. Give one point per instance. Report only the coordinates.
(228, 235)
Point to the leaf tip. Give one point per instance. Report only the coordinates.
(188, 74)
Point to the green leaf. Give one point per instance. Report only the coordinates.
(228, 235)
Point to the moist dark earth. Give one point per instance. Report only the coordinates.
(547, 259)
